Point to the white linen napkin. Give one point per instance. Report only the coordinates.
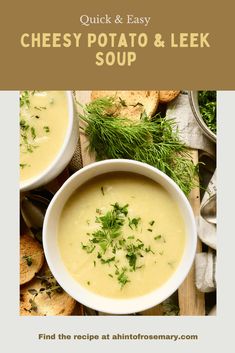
(192, 135)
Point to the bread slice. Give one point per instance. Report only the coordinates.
(131, 104)
(168, 96)
(44, 297)
(31, 258)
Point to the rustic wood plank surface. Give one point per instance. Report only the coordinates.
(83, 97)
(191, 301)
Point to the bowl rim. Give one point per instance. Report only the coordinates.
(37, 180)
(133, 304)
(210, 134)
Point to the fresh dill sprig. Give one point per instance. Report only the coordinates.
(154, 141)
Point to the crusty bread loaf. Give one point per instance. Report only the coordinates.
(167, 96)
(31, 258)
(49, 302)
(131, 104)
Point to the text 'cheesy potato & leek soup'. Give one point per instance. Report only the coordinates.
(121, 235)
(44, 121)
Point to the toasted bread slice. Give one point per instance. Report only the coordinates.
(44, 297)
(31, 258)
(168, 96)
(131, 104)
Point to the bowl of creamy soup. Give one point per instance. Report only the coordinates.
(119, 236)
(48, 136)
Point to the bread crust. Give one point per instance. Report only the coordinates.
(168, 96)
(52, 304)
(131, 104)
(31, 258)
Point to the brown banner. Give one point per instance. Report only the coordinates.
(166, 44)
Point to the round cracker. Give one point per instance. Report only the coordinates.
(168, 96)
(31, 258)
(54, 304)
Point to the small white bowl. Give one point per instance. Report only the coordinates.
(193, 99)
(64, 155)
(87, 297)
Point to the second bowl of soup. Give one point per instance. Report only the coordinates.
(48, 135)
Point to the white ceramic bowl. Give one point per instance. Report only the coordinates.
(193, 99)
(64, 155)
(87, 297)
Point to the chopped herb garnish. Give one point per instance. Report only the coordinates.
(23, 165)
(40, 108)
(157, 237)
(171, 264)
(46, 129)
(109, 238)
(107, 261)
(28, 259)
(28, 135)
(122, 277)
(151, 223)
(49, 286)
(33, 291)
(148, 249)
(24, 99)
(23, 125)
(89, 248)
(149, 230)
(136, 105)
(133, 223)
(120, 209)
(33, 306)
(49, 283)
(122, 102)
(170, 308)
(132, 258)
(102, 190)
(33, 132)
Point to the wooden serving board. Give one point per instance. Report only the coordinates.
(191, 301)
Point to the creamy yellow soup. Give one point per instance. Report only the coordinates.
(121, 235)
(43, 124)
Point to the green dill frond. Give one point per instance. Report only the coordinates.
(154, 141)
